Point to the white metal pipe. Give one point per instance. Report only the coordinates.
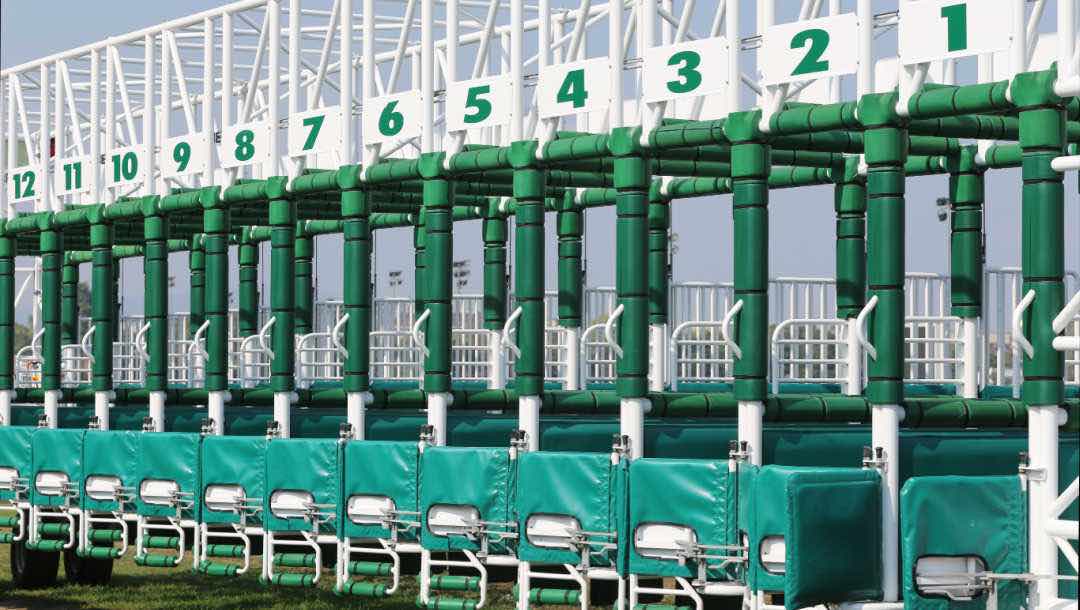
(529, 420)
(573, 358)
(517, 35)
(1018, 48)
(885, 434)
(731, 28)
(283, 412)
(345, 77)
(1066, 164)
(751, 414)
(165, 120)
(427, 74)
(969, 388)
(438, 404)
(367, 89)
(496, 361)
(226, 70)
(632, 424)
(207, 100)
(1043, 422)
(615, 54)
(101, 408)
(52, 406)
(149, 142)
(43, 142)
(215, 410)
(865, 74)
(273, 64)
(157, 410)
(853, 386)
(58, 139)
(5, 407)
(658, 352)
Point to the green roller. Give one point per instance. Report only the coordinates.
(102, 303)
(248, 291)
(9, 521)
(51, 242)
(54, 529)
(156, 290)
(161, 542)
(447, 603)
(211, 568)
(370, 568)
(46, 546)
(454, 583)
(99, 552)
(438, 252)
(661, 607)
(156, 560)
(552, 597)
(362, 589)
(355, 211)
(225, 550)
(69, 306)
(529, 191)
(282, 287)
(293, 580)
(304, 287)
(105, 536)
(294, 560)
(6, 537)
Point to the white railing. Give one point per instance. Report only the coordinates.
(810, 351)
(700, 354)
(318, 359)
(933, 349)
(597, 356)
(470, 354)
(557, 358)
(394, 357)
(128, 366)
(75, 366)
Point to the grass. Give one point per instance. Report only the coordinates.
(138, 588)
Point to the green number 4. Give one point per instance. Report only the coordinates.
(481, 107)
(690, 77)
(315, 123)
(811, 62)
(573, 88)
(955, 16)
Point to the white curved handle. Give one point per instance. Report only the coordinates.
(261, 337)
(1067, 314)
(860, 327)
(35, 342)
(1019, 340)
(609, 331)
(85, 340)
(418, 339)
(195, 345)
(725, 329)
(140, 345)
(505, 339)
(335, 336)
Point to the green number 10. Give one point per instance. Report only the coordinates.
(955, 16)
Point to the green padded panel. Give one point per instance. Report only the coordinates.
(381, 468)
(168, 456)
(585, 486)
(112, 454)
(481, 477)
(56, 451)
(309, 465)
(699, 494)
(233, 460)
(15, 452)
(958, 516)
(768, 500)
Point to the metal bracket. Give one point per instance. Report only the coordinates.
(739, 450)
(874, 458)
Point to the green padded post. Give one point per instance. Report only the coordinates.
(304, 290)
(197, 271)
(850, 205)
(116, 268)
(659, 269)
(495, 289)
(356, 214)
(419, 261)
(282, 286)
(570, 223)
(51, 246)
(750, 167)
(886, 144)
(966, 193)
(7, 324)
(156, 307)
(216, 227)
(101, 304)
(436, 276)
(530, 182)
(248, 290)
(69, 306)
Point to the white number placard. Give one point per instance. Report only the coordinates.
(807, 50)
(72, 175)
(393, 117)
(479, 103)
(184, 155)
(23, 183)
(941, 29)
(315, 131)
(124, 166)
(688, 69)
(582, 86)
(245, 144)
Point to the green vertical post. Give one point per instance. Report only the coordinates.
(304, 290)
(570, 223)
(282, 286)
(156, 305)
(7, 324)
(850, 205)
(529, 188)
(101, 301)
(69, 307)
(356, 214)
(197, 271)
(419, 261)
(248, 288)
(659, 284)
(494, 231)
(51, 246)
(632, 181)
(216, 227)
(116, 298)
(750, 166)
(966, 194)
(438, 249)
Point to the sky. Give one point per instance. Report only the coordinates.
(801, 221)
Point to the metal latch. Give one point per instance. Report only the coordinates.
(345, 432)
(874, 458)
(273, 429)
(1027, 473)
(208, 427)
(427, 434)
(620, 445)
(94, 423)
(738, 450)
(43, 421)
(148, 424)
(519, 442)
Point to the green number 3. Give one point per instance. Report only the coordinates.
(811, 62)
(245, 145)
(688, 73)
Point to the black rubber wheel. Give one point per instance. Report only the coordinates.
(728, 602)
(33, 569)
(84, 571)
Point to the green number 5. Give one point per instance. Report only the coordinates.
(688, 73)
(481, 107)
(811, 62)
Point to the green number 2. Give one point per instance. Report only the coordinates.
(811, 62)
(481, 107)
(688, 73)
(390, 120)
(315, 123)
(24, 184)
(245, 145)
(573, 88)
(181, 153)
(955, 16)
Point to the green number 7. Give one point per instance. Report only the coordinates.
(315, 123)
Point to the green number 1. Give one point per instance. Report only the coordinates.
(573, 88)
(955, 16)
(690, 77)
(481, 107)
(315, 123)
(811, 62)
